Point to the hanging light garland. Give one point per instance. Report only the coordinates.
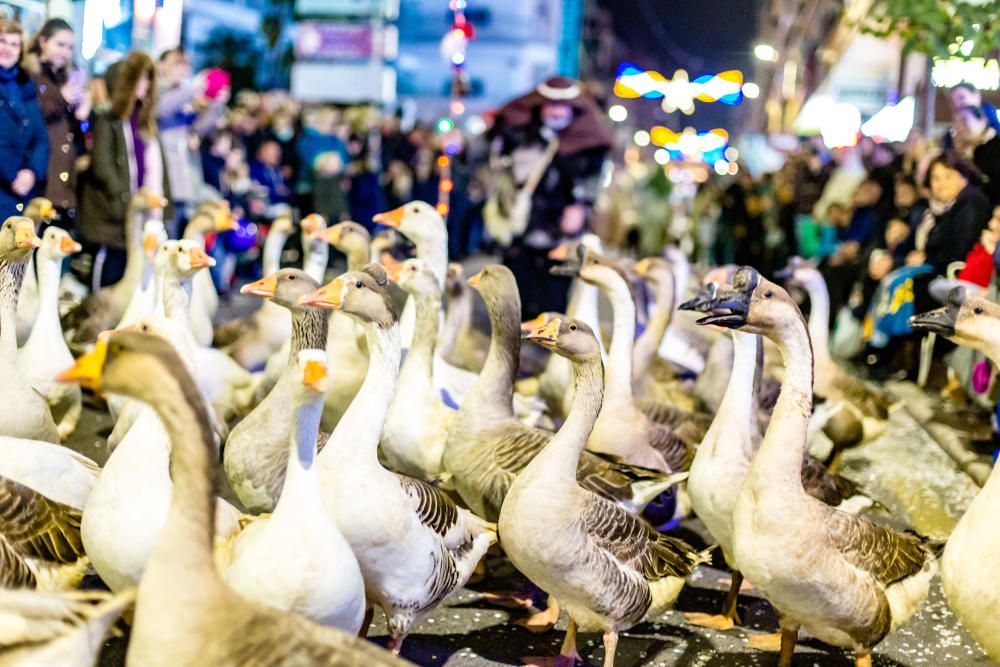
(453, 49)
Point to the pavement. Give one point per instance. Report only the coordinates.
(925, 487)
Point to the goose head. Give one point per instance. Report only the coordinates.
(284, 287)
(415, 276)
(702, 301)
(154, 234)
(801, 273)
(123, 362)
(752, 304)
(311, 226)
(966, 319)
(212, 219)
(658, 272)
(454, 280)
(568, 338)
(418, 221)
(498, 288)
(312, 374)
(384, 242)
(347, 237)
(147, 200)
(18, 237)
(58, 244)
(364, 295)
(593, 268)
(282, 225)
(183, 258)
(41, 210)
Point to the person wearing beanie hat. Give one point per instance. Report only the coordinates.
(553, 141)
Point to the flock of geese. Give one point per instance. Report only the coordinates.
(377, 458)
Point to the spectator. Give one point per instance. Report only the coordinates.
(266, 171)
(966, 96)
(24, 141)
(62, 93)
(184, 115)
(323, 160)
(126, 155)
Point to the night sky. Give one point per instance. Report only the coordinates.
(701, 36)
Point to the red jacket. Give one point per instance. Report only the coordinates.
(978, 266)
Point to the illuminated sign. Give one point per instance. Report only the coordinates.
(680, 92)
(982, 73)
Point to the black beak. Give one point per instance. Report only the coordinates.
(701, 301)
(940, 321)
(731, 306)
(570, 267)
(784, 274)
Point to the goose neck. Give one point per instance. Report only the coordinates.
(357, 257)
(11, 277)
(49, 269)
(309, 331)
(457, 319)
(176, 294)
(306, 417)
(134, 254)
(419, 362)
(273, 245)
(737, 408)
(316, 255)
(779, 460)
(561, 455)
(649, 341)
(434, 251)
(492, 394)
(357, 434)
(819, 319)
(619, 374)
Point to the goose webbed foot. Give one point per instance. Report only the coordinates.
(568, 655)
(510, 599)
(395, 645)
(478, 574)
(770, 643)
(719, 622)
(543, 621)
(863, 659)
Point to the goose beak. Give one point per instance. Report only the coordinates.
(150, 244)
(25, 236)
(940, 321)
(314, 376)
(155, 201)
(531, 325)
(702, 300)
(571, 267)
(642, 267)
(311, 226)
(393, 267)
(785, 274)
(68, 246)
(393, 218)
(86, 371)
(225, 222)
(546, 335)
(474, 280)
(48, 211)
(729, 309)
(331, 234)
(560, 253)
(200, 259)
(264, 287)
(329, 297)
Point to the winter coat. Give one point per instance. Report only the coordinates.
(24, 142)
(955, 231)
(62, 125)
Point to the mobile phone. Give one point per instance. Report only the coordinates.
(216, 80)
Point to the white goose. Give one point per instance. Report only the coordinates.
(40, 210)
(212, 217)
(845, 580)
(45, 353)
(23, 410)
(970, 557)
(143, 301)
(296, 559)
(414, 545)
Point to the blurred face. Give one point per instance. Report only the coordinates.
(269, 153)
(10, 50)
(946, 183)
(57, 50)
(839, 216)
(906, 195)
(176, 67)
(142, 87)
(962, 98)
(557, 116)
(994, 223)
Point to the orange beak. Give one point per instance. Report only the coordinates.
(225, 222)
(547, 335)
(393, 218)
(200, 259)
(47, 211)
(314, 376)
(264, 287)
(25, 236)
(68, 246)
(155, 201)
(560, 253)
(329, 297)
(474, 280)
(310, 225)
(149, 245)
(532, 325)
(642, 267)
(331, 234)
(86, 372)
(392, 266)
(454, 271)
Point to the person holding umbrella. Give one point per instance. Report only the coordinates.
(548, 149)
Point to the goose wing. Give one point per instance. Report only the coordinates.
(433, 506)
(872, 401)
(674, 417)
(889, 556)
(633, 542)
(608, 476)
(37, 526)
(14, 571)
(825, 486)
(675, 450)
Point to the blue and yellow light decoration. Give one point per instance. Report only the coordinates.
(680, 92)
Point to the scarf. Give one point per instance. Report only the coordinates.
(935, 209)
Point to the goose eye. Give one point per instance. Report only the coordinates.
(291, 277)
(572, 327)
(768, 294)
(359, 284)
(978, 310)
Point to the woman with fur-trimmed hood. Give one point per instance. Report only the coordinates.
(126, 155)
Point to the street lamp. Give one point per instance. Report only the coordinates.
(641, 138)
(751, 90)
(766, 52)
(617, 113)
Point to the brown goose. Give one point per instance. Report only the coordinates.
(185, 614)
(609, 569)
(845, 580)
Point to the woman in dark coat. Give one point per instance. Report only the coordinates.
(63, 97)
(24, 142)
(126, 155)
